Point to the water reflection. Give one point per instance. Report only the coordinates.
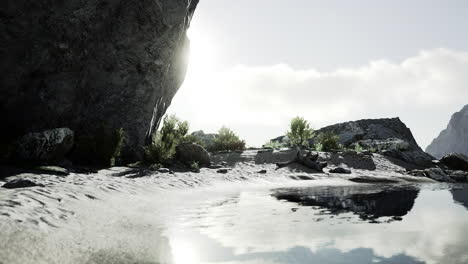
(365, 202)
(325, 225)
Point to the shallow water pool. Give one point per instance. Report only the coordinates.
(334, 224)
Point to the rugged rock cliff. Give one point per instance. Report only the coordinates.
(95, 66)
(452, 139)
(390, 136)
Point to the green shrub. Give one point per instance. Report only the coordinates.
(329, 141)
(193, 139)
(227, 140)
(358, 148)
(195, 167)
(299, 132)
(273, 145)
(165, 141)
(318, 146)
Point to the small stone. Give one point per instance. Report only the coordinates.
(164, 170)
(21, 183)
(224, 171)
(154, 167)
(54, 170)
(262, 171)
(437, 174)
(47, 146)
(340, 170)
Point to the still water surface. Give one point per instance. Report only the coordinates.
(334, 224)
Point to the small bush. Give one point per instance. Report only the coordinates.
(318, 147)
(194, 166)
(227, 140)
(329, 141)
(358, 148)
(273, 145)
(193, 139)
(163, 148)
(299, 132)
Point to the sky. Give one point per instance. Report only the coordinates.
(254, 65)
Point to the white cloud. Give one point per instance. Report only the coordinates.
(424, 91)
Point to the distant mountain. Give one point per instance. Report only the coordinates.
(452, 139)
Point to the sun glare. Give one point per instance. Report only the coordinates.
(202, 50)
(183, 253)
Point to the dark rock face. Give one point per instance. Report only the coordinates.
(91, 65)
(455, 161)
(190, 152)
(452, 139)
(48, 146)
(389, 136)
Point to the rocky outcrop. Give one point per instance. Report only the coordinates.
(388, 136)
(189, 153)
(452, 139)
(48, 146)
(95, 66)
(455, 161)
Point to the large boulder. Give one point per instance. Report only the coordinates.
(191, 152)
(44, 147)
(95, 66)
(455, 161)
(388, 136)
(452, 139)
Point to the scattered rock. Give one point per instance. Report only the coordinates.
(340, 170)
(437, 174)
(50, 145)
(458, 176)
(455, 161)
(164, 170)
(349, 152)
(21, 183)
(188, 153)
(305, 177)
(368, 179)
(416, 173)
(54, 170)
(262, 171)
(224, 171)
(154, 167)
